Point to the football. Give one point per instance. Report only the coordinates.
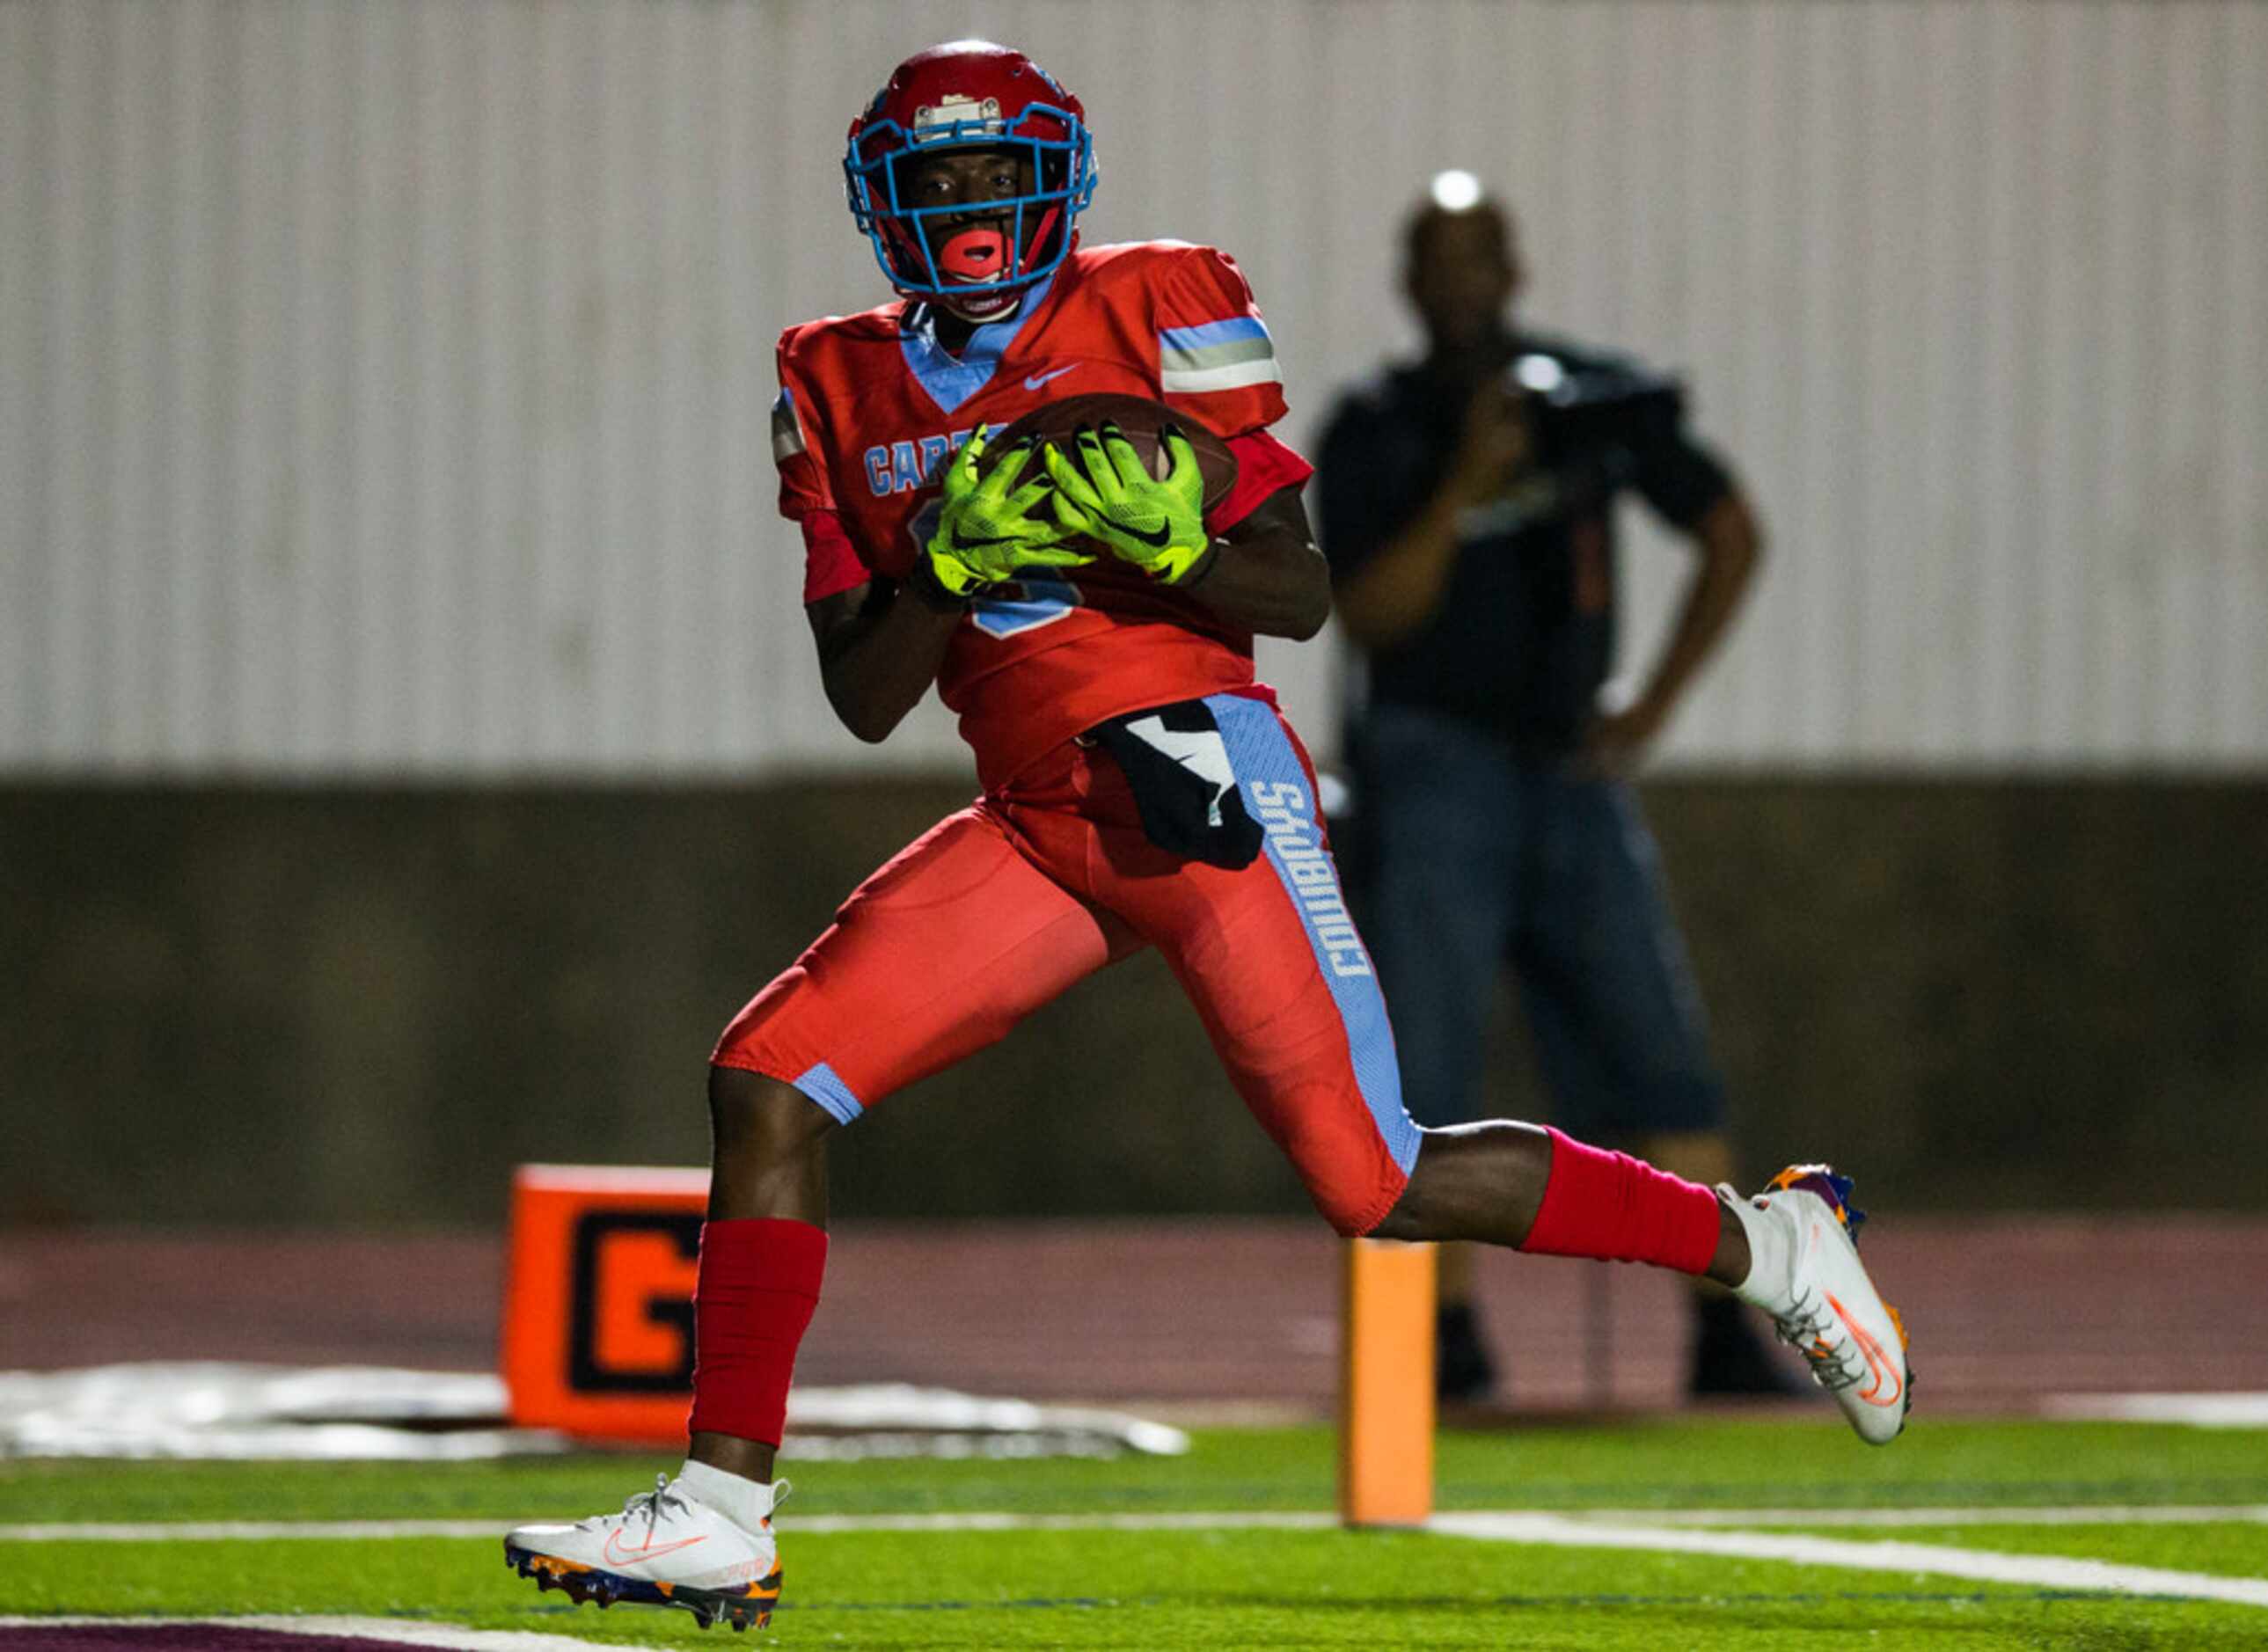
(1142, 421)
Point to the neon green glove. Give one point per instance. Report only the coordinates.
(1109, 495)
(985, 532)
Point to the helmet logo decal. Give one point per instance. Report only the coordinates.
(957, 109)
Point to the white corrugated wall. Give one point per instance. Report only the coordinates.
(384, 381)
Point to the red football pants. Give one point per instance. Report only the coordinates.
(998, 908)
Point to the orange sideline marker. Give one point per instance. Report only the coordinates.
(1386, 1385)
(597, 1301)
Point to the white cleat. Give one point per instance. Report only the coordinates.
(667, 1548)
(1803, 1236)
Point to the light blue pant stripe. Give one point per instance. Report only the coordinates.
(1275, 787)
(824, 1086)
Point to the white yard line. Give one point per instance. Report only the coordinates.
(222, 1530)
(401, 1631)
(2195, 1411)
(825, 1525)
(1668, 1532)
(828, 1525)
(2044, 1571)
(1996, 1514)
(1250, 1519)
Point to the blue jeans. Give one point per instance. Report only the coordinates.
(1476, 858)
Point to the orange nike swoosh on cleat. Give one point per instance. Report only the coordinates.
(1877, 1362)
(631, 1557)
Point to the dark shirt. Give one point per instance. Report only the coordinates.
(1524, 635)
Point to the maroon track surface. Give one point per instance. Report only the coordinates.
(1189, 1312)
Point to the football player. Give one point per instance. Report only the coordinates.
(1092, 625)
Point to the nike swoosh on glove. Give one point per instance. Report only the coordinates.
(1108, 494)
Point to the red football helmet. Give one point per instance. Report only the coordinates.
(970, 94)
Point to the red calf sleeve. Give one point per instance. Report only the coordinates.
(1616, 1208)
(752, 1302)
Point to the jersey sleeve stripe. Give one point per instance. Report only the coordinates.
(787, 429)
(1235, 330)
(1228, 375)
(1218, 356)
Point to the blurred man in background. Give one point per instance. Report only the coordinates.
(1468, 507)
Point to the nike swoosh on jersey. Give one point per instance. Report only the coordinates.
(1036, 380)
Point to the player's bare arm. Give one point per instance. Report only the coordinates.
(1265, 573)
(879, 646)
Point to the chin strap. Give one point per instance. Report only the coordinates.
(1015, 302)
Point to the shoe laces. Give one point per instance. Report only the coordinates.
(650, 1505)
(1807, 1327)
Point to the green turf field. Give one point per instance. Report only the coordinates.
(2025, 1493)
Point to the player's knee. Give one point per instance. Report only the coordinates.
(1353, 1204)
(763, 1119)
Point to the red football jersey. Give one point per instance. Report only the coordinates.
(870, 407)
